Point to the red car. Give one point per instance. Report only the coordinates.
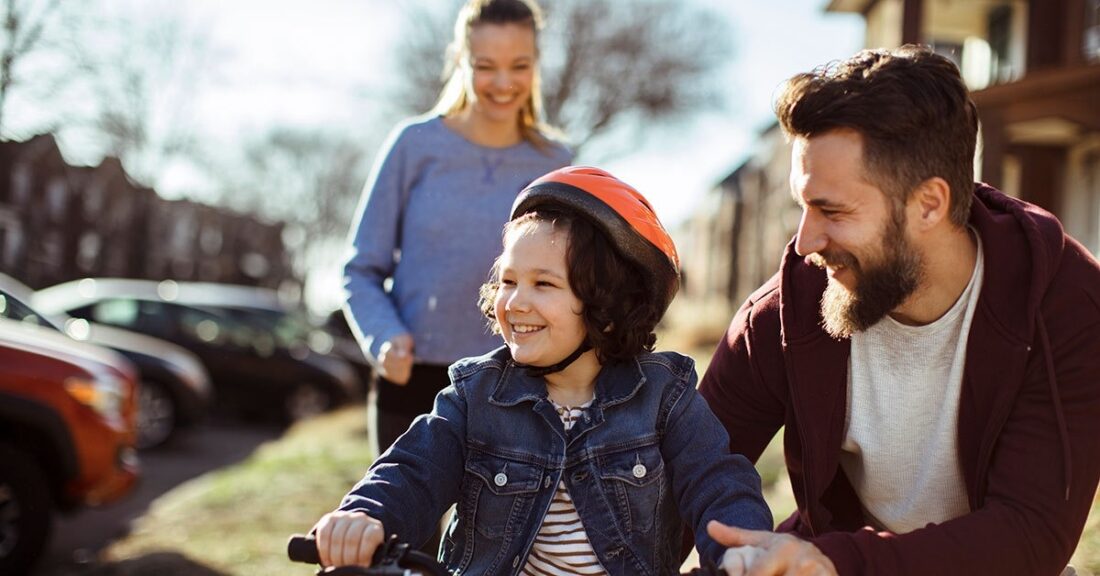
(67, 433)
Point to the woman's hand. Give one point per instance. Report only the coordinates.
(348, 538)
(395, 359)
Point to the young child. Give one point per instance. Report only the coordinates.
(574, 449)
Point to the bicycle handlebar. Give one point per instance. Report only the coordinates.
(301, 548)
(393, 558)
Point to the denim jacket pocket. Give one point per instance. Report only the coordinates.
(635, 480)
(501, 492)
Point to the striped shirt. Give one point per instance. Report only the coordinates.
(561, 547)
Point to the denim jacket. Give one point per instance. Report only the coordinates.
(648, 456)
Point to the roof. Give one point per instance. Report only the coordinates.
(73, 294)
(857, 6)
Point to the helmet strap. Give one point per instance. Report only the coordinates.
(540, 371)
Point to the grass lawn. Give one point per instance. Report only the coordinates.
(236, 521)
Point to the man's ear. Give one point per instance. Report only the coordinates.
(930, 202)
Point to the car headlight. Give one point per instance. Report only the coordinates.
(105, 394)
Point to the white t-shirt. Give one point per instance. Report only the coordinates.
(900, 447)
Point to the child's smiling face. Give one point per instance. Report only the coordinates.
(539, 315)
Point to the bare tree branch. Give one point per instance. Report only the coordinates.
(23, 28)
(143, 82)
(309, 178)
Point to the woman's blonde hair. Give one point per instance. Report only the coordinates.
(453, 97)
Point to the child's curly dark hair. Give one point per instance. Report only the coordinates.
(618, 314)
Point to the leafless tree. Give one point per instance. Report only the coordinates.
(24, 25)
(605, 63)
(309, 178)
(141, 83)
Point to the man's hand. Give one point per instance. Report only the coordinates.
(737, 561)
(395, 359)
(781, 555)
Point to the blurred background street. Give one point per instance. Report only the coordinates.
(177, 180)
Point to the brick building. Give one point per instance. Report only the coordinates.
(61, 222)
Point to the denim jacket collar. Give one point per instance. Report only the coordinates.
(615, 384)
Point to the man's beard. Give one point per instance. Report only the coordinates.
(879, 288)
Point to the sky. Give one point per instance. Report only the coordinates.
(328, 62)
(773, 40)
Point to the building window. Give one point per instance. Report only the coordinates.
(88, 251)
(93, 201)
(51, 249)
(210, 240)
(1091, 170)
(1000, 44)
(11, 240)
(1091, 38)
(57, 198)
(21, 184)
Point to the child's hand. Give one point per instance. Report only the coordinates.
(348, 538)
(737, 560)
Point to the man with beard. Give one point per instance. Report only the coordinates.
(931, 346)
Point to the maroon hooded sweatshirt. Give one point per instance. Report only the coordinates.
(1029, 411)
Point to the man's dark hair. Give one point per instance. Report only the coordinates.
(619, 314)
(912, 109)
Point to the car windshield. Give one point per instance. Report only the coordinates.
(13, 309)
(289, 329)
(215, 327)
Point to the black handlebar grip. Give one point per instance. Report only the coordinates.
(303, 549)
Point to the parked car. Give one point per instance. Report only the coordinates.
(256, 367)
(175, 387)
(263, 309)
(67, 432)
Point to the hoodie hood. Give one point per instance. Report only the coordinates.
(1012, 229)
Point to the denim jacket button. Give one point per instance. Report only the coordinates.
(515, 562)
(500, 479)
(639, 470)
(546, 482)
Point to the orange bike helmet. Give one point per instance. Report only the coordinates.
(620, 211)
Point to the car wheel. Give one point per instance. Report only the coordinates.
(26, 510)
(156, 415)
(305, 401)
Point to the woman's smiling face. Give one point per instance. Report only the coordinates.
(501, 69)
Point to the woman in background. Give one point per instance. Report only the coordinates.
(430, 220)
